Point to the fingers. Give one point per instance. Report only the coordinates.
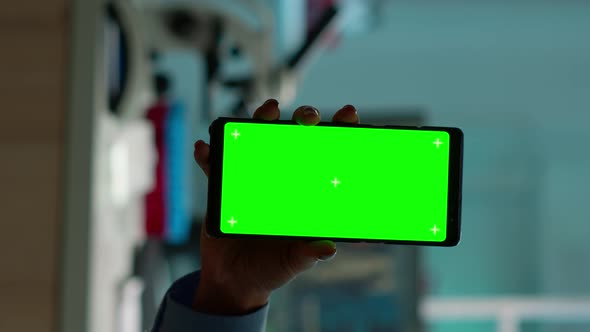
(304, 255)
(201, 155)
(322, 250)
(346, 114)
(306, 115)
(268, 111)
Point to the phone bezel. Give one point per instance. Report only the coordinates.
(213, 222)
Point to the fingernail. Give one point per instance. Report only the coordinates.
(308, 110)
(271, 101)
(327, 249)
(327, 257)
(349, 107)
(319, 250)
(323, 249)
(323, 244)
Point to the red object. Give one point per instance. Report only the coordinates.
(155, 201)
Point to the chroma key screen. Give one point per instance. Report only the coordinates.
(335, 182)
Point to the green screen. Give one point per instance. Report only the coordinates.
(334, 182)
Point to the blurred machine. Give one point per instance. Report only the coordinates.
(239, 51)
(238, 46)
(243, 67)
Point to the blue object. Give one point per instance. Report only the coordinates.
(177, 230)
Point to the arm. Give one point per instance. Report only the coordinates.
(177, 315)
(238, 275)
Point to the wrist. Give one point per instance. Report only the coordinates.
(227, 298)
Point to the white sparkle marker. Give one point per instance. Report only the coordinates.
(437, 143)
(434, 230)
(235, 134)
(335, 182)
(232, 221)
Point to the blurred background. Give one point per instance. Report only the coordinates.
(102, 203)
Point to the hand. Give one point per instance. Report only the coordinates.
(238, 275)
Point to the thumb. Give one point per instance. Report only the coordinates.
(201, 155)
(304, 255)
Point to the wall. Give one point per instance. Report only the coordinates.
(515, 75)
(32, 63)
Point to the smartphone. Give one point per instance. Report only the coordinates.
(352, 183)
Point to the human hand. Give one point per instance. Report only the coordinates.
(238, 275)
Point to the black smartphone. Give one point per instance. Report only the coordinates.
(342, 182)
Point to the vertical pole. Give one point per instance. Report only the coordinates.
(82, 98)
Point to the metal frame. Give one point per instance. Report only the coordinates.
(507, 312)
